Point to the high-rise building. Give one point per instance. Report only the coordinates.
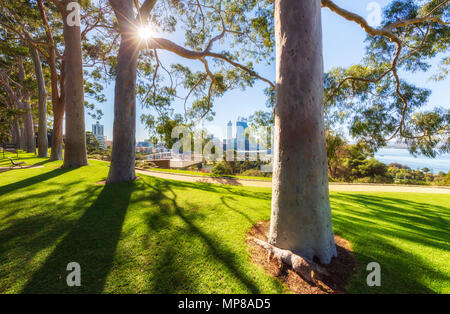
(241, 125)
(97, 129)
(241, 140)
(228, 141)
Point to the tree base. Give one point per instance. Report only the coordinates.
(112, 180)
(339, 271)
(300, 265)
(73, 165)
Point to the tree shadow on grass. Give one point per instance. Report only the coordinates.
(32, 180)
(217, 188)
(382, 229)
(226, 199)
(91, 242)
(161, 193)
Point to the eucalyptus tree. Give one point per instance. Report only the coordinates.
(301, 215)
(206, 23)
(370, 96)
(39, 26)
(72, 84)
(42, 103)
(75, 141)
(20, 18)
(18, 101)
(55, 60)
(24, 103)
(17, 86)
(96, 49)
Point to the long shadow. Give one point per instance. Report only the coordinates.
(32, 180)
(219, 251)
(224, 202)
(379, 224)
(211, 187)
(422, 222)
(91, 243)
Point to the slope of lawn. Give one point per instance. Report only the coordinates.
(161, 236)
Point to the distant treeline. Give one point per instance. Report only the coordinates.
(355, 163)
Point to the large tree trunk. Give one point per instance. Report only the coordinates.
(28, 142)
(58, 111)
(57, 133)
(15, 124)
(301, 214)
(124, 129)
(15, 132)
(57, 100)
(42, 96)
(75, 144)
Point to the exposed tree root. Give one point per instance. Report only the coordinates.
(301, 266)
(325, 279)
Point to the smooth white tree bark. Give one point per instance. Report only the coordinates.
(42, 103)
(124, 129)
(27, 141)
(75, 141)
(301, 214)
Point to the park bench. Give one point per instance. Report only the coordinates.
(11, 148)
(16, 164)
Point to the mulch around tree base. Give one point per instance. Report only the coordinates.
(340, 270)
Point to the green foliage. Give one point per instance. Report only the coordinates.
(355, 163)
(22, 25)
(248, 39)
(367, 97)
(375, 171)
(222, 169)
(92, 144)
(161, 128)
(256, 173)
(446, 181)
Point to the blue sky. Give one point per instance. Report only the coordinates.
(343, 43)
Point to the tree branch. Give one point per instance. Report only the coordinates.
(165, 44)
(386, 32)
(145, 9)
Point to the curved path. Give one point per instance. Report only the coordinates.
(339, 187)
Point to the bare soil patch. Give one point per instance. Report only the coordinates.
(340, 270)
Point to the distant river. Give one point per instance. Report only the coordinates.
(402, 156)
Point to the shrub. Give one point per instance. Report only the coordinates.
(446, 180)
(221, 169)
(255, 173)
(375, 179)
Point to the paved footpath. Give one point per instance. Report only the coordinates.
(339, 187)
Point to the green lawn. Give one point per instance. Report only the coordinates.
(161, 236)
(205, 174)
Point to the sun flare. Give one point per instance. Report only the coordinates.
(145, 32)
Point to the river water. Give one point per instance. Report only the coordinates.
(402, 156)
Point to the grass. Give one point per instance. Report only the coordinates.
(162, 236)
(205, 174)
